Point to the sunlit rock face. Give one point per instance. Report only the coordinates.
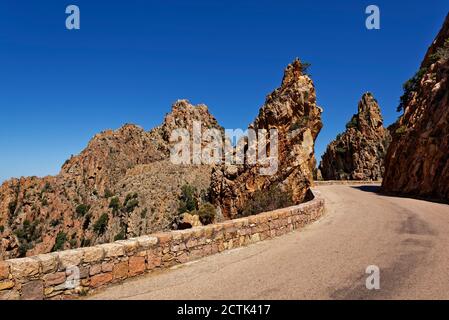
(359, 152)
(292, 111)
(417, 162)
(76, 208)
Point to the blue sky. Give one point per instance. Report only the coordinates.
(132, 59)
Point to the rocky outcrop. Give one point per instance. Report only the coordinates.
(417, 162)
(358, 153)
(292, 111)
(123, 184)
(184, 116)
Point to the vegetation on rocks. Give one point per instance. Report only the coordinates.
(61, 239)
(187, 201)
(442, 53)
(409, 87)
(195, 203)
(267, 200)
(82, 209)
(101, 224)
(131, 202)
(120, 236)
(417, 160)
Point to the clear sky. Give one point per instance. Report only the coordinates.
(132, 59)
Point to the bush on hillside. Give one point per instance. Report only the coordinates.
(101, 224)
(267, 200)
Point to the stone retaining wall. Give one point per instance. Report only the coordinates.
(72, 273)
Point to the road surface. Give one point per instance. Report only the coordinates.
(407, 239)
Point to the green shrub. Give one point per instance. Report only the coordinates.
(83, 292)
(26, 224)
(85, 242)
(340, 150)
(61, 238)
(65, 163)
(131, 202)
(267, 200)
(129, 197)
(409, 87)
(131, 205)
(108, 193)
(20, 234)
(72, 243)
(353, 123)
(101, 224)
(143, 214)
(114, 204)
(86, 222)
(47, 188)
(12, 206)
(2, 228)
(23, 248)
(187, 200)
(28, 232)
(55, 222)
(442, 54)
(120, 236)
(82, 209)
(305, 66)
(401, 130)
(206, 213)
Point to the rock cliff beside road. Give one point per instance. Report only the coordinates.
(417, 162)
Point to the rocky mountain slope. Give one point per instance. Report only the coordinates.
(417, 162)
(123, 184)
(358, 153)
(292, 110)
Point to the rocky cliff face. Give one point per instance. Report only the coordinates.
(123, 184)
(417, 163)
(292, 111)
(358, 153)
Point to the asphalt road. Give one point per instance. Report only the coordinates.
(407, 239)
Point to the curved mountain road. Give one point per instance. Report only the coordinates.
(407, 239)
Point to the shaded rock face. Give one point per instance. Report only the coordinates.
(129, 164)
(417, 163)
(292, 111)
(358, 153)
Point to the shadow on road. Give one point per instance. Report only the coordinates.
(377, 190)
(372, 189)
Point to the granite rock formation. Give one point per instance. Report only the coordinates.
(359, 152)
(292, 111)
(122, 185)
(417, 162)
